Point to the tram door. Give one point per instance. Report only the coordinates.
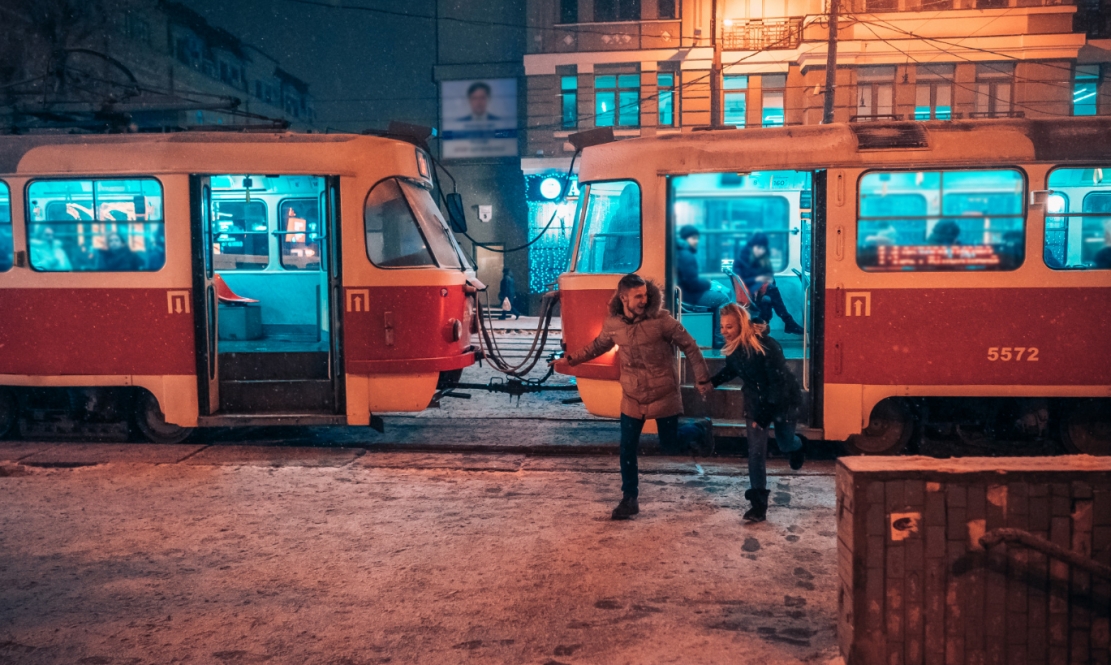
(271, 277)
(205, 302)
(755, 228)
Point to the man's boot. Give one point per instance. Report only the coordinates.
(626, 509)
(759, 510)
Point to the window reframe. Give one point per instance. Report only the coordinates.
(416, 223)
(7, 263)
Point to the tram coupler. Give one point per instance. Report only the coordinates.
(515, 387)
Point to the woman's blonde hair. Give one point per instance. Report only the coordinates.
(749, 337)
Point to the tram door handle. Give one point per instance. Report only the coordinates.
(388, 317)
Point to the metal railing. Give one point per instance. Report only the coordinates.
(760, 35)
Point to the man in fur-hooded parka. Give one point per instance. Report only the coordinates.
(646, 354)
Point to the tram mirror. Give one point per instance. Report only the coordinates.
(456, 213)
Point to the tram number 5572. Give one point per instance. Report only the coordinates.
(1009, 353)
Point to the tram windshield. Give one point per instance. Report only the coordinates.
(941, 220)
(609, 241)
(1078, 219)
(404, 228)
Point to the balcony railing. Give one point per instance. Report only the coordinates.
(620, 36)
(763, 35)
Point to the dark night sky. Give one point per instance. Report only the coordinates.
(382, 62)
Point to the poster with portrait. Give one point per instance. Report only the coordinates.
(479, 118)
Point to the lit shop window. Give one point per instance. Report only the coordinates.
(941, 221)
(96, 225)
(1078, 219)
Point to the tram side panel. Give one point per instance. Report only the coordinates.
(68, 325)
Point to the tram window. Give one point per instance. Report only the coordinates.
(241, 240)
(610, 238)
(96, 225)
(1078, 219)
(6, 245)
(440, 240)
(300, 251)
(393, 236)
(941, 220)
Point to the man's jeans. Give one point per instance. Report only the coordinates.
(630, 439)
(758, 448)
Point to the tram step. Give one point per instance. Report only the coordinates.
(276, 396)
(736, 428)
(285, 366)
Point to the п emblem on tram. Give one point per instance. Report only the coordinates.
(177, 302)
(858, 303)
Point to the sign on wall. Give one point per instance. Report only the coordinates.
(479, 118)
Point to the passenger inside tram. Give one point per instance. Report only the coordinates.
(755, 225)
(96, 225)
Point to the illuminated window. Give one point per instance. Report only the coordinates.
(665, 81)
(933, 92)
(736, 88)
(569, 101)
(6, 245)
(301, 250)
(240, 235)
(609, 241)
(1078, 219)
(772, 93)
(96, 225)
(875, 93)
(1085, 90)
(941, 221)
(617, 100)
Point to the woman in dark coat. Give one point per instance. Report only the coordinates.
(118, 257)
(753, 264)
(771, 393)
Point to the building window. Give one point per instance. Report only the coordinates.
(667, 9)
(1078, 219)
(665, 82)
(875, 93)
(568, 11)
(941, 220)
(736, 90)
(1085, 90)
(609, 241)
(933, 93)
(617, 100)
(6, 244)
(773, 88)
(616, 10)
(96, 225)
(569, 101)
(994, 87)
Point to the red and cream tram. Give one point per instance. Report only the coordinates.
(204, 279)
(956, 271)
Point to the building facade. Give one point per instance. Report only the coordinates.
(140, 64)
(644, 67)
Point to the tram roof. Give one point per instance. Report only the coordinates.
(41, 153)
(855, 144)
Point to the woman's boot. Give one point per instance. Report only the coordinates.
(759, 510)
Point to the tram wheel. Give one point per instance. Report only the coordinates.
(889, 430)
(9, 412)
(1086, 427)
(152, 423)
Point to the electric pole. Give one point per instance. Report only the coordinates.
(715, 69)
(831, 64)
